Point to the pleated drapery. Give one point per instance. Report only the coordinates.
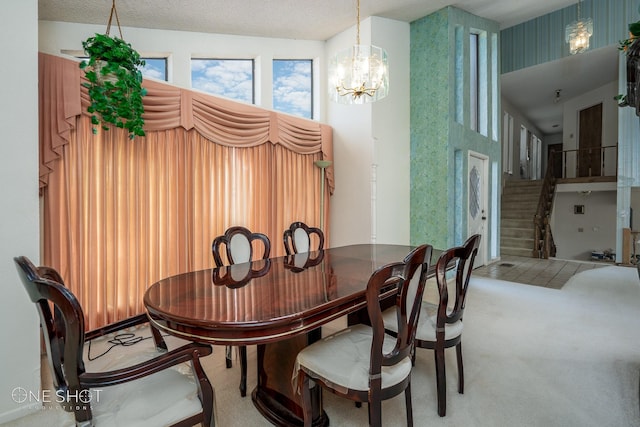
(120, 214)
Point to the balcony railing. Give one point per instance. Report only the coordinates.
(580, 164)
(585, 162)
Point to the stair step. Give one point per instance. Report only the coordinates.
(515, 242)
(522, 195)
(528, 206)
(519, 204)
(517, 223)
(527, 253)
(517, 233)
(518, 214)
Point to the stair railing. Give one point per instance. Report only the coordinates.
(543, 243)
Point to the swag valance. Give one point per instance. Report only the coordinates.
(221, 121)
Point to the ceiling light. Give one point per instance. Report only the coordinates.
(577, 33)
(556, 99)
(360, 74)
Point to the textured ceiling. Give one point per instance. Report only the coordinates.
(293, 19)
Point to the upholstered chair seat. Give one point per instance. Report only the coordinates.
(363, 363)
(440, 325)
(120, 374)
(345, 357)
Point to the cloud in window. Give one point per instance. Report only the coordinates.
(292, 87)
(230, 78)
(155, 68)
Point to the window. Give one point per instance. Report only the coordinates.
(231, 78)
(155, 68)
(479, 82)
(292, 87)
(507, 144)
(524, 153)
(474, 93)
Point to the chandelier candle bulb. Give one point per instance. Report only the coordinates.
(360, 74)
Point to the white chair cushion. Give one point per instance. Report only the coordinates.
(343, 360)
(160, 399)
(240, 249)
(301, 239)
(426, 323)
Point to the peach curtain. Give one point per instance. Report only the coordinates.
(119, 215)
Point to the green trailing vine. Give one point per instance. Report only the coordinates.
(114, 84)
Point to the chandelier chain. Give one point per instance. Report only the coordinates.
(579, 1)
(358, 26)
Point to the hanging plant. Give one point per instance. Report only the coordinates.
(114, 82)
(631, 48)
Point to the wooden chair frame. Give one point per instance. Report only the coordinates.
(392, 275)
(289, 234)
(216, 249)
(65, 339)
(464, 257)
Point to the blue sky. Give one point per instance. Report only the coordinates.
(233, 78)
(292, 87)
(225, 77)
(156, 68)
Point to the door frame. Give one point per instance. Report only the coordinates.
(481, 258)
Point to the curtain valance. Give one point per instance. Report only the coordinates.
(219, 120)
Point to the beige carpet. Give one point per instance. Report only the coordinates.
(533, 357)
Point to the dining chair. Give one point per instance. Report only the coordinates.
(237, 245)
(116, 385)
(440, 325)
(297, 238)
(363, 363)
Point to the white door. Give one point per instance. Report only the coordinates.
(478, 200)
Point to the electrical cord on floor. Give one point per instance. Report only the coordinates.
(125, 340)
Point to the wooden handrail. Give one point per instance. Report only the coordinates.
(543, 245)
(543, 242)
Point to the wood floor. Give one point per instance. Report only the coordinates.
(548, 273)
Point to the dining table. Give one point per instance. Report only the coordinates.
(278, 304)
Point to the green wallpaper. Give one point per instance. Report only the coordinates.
(439, 144)
(430, 92)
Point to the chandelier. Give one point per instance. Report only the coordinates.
(359, 75)
(577, 34)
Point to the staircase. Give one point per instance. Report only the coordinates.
(519, 205)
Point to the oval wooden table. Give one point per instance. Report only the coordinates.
(278, 304)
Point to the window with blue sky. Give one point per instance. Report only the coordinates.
(292, 84)
(155, 68)
(231, 78)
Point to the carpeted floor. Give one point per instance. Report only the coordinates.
(534, 357)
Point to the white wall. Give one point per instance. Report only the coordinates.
(19, 230)
(371, 147)
(576, 235)
(391, 133)
(518, 121)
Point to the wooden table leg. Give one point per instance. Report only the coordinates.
(274, 396)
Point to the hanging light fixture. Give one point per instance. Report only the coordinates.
(558, 96)
(359, 75)
(577, 33)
